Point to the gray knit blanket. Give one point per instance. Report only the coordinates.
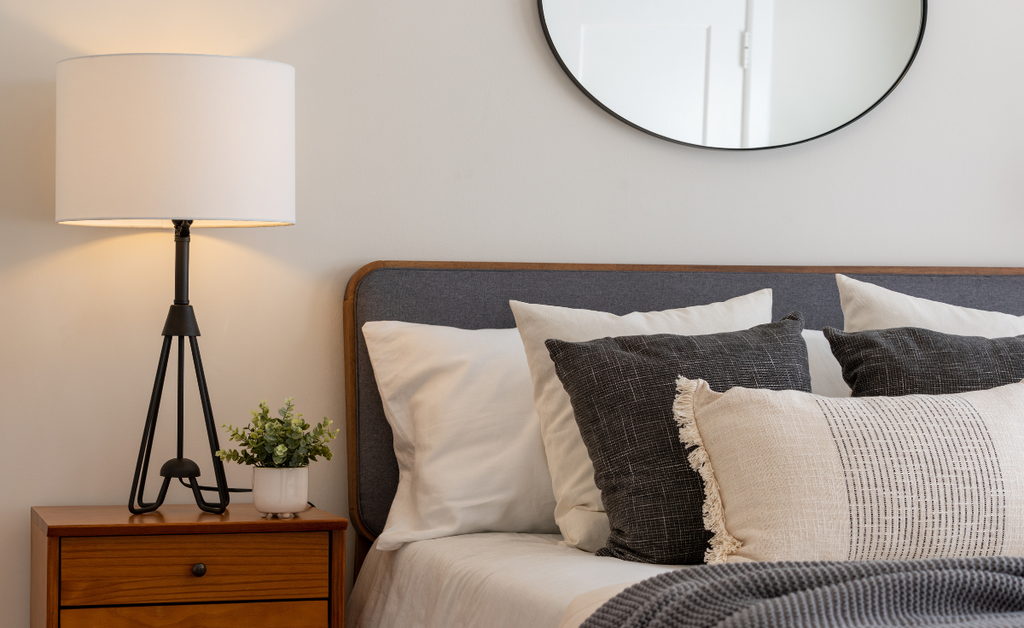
(971, 592)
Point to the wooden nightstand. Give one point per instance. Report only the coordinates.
(102, 566)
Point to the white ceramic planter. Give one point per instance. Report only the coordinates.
(280, 492)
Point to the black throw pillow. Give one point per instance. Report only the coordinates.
(622, 391)
(914, 361)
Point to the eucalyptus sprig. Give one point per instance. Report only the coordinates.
(279, 441)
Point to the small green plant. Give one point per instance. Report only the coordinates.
(279, 442)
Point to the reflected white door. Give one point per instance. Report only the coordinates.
(680, 68)
(653, 75)
(691, 54)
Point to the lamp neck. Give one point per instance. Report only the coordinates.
(181, 242)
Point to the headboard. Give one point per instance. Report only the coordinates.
(476, 295)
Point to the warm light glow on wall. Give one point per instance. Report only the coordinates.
(226, 27)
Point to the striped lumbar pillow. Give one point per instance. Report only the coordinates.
(794, 476)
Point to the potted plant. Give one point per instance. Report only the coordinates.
(279, 450)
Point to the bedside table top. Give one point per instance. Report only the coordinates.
(65, 521)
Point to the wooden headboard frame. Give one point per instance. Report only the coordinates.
(364, 535)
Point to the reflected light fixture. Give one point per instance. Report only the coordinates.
(176, 141)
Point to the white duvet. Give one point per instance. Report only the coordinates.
(493, 580)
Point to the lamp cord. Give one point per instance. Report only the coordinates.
(188, 485)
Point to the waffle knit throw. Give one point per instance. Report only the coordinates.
(975, 592)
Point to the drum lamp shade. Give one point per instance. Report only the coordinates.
(144, 139)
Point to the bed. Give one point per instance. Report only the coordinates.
(529, 578)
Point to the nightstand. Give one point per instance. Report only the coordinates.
(103, 566)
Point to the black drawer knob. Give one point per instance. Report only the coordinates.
(199, 570)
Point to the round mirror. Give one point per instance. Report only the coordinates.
(736, 74)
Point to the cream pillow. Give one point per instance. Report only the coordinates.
(867, 307)
(579, 511)
(466, 435)
(796, 476)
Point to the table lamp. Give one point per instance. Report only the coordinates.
(176, 141)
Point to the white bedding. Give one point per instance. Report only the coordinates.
(497, 580)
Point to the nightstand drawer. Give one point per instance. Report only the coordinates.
(159, 569)
(246, 615)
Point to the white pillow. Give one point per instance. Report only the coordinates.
(867, 307)
(826, 372)
(467, 438)
(580, 513)
(790, 475)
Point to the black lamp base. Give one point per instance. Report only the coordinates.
(181, 324)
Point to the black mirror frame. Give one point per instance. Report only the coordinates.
(910, 62)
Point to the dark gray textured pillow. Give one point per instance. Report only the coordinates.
(622, 390)
(914, 361)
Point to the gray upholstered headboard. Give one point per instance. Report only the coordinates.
(476, 295)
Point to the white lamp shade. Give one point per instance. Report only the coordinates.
(143, 139)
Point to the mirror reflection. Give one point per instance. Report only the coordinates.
(735, 73)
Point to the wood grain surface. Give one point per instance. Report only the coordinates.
(174, 519)
(337, 610)
(45, 585)
(310, 614)
(158, 569)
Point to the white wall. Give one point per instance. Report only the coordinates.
(441, 131)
